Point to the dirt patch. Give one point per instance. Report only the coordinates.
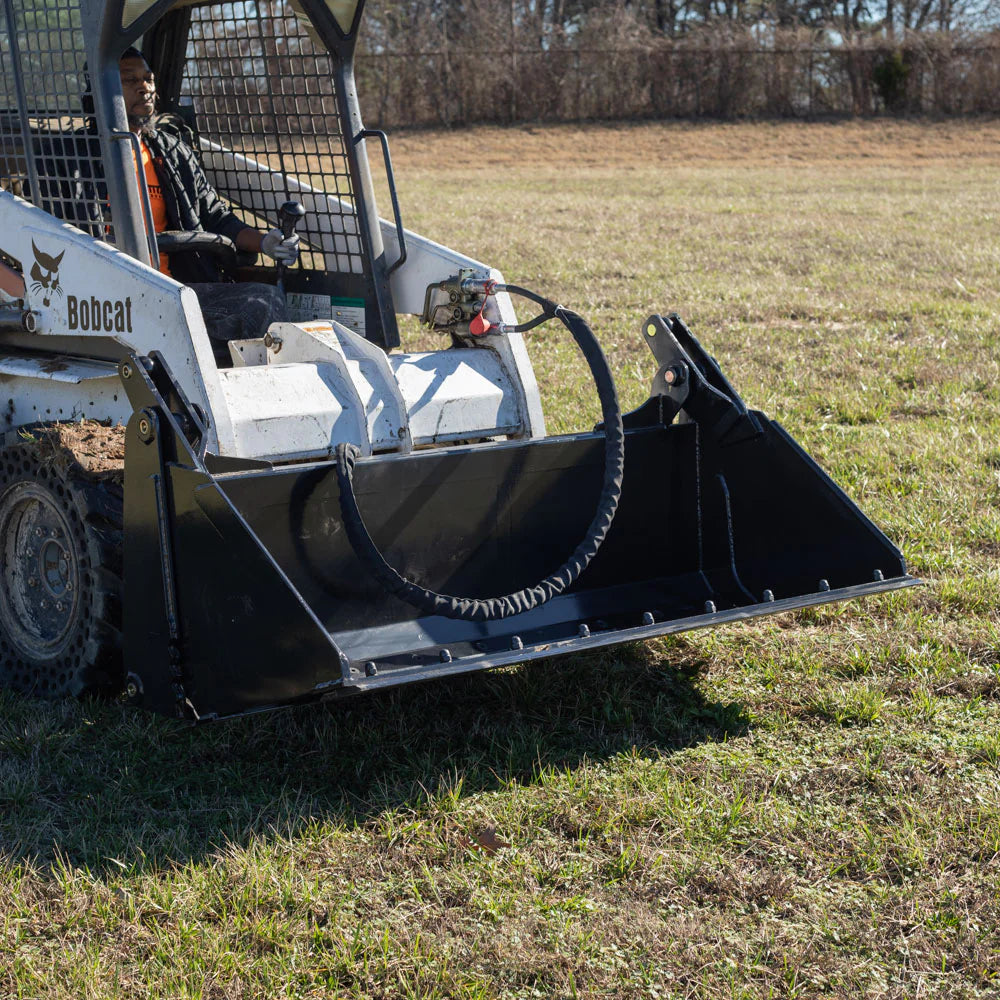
(95, 446)
(969, 687)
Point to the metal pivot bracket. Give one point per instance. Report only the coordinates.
(689, 379)
(148, 381)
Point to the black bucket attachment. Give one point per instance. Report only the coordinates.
(245, 594)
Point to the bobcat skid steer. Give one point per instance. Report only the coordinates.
(323, 514)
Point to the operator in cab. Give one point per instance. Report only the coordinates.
(72, 188)
(181, 198)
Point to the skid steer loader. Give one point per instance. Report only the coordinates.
(325, 514)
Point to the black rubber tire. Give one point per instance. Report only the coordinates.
(60, 572)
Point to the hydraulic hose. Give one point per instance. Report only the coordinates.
(493, 608)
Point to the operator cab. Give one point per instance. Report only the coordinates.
(262, 92)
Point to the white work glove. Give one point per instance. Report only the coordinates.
(281, 248)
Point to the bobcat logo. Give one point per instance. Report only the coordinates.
(45, 275)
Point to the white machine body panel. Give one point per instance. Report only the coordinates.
(256, 186)
(288, 411)
(296, 407)
(307, 388)
(456, 395)
(95, 290)
(365, 379)
(36, 389)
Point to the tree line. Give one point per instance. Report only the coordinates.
(454, 62)
(554, 22)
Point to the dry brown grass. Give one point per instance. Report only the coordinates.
(642, 145)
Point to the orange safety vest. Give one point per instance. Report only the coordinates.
(156, 200)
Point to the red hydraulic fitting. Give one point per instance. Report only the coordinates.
(478, 286)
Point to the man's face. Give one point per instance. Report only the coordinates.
(138, 89)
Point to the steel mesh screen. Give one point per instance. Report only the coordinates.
(13, 168)
(262, 89)
(48, 153)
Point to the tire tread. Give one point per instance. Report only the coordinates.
(93, 665)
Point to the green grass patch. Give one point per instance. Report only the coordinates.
(800, 806)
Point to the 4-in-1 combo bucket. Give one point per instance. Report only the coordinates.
(247, 592)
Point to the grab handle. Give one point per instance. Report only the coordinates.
(374, 133)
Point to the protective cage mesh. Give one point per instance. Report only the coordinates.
(49, 153)
(262, 88)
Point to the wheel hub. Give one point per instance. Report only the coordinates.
(39, 584)
(54, 565)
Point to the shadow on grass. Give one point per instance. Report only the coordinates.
(100, 786)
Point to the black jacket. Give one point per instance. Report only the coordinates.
(72, 188)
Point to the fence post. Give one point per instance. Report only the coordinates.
(513, 65)
(810, 82)
(579, 83)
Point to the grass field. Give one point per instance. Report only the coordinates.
(804, 806)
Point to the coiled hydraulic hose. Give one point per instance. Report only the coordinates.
(493, 608)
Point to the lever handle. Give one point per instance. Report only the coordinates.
(290, 215)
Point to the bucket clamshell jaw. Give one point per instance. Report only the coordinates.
(245, 594)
